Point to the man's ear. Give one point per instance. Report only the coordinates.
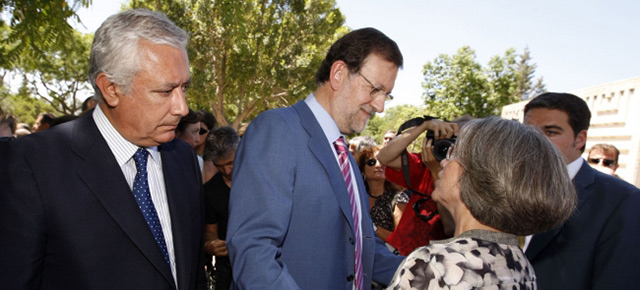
(581, 139)
(108, 89)
(339, 72)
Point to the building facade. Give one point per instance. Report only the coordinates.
(615, 119)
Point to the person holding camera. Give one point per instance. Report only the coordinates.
(415, 228)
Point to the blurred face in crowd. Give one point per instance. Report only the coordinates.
(604, 162)
(225, 166)
(360, 95)
(39, 126)
(149, 113)
(555, 125)
(373, 170)
(388, 137)
(191, 134)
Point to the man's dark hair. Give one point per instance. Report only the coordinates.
(208, 119)
(190, 118)
(47, 118)
(575, 107)
(221, 143)
(354, 47)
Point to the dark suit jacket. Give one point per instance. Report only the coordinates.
(68, 219)
(290, 223)
(599, 247)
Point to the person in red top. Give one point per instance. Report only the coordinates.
(413, 231)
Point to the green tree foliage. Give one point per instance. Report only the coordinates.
(22, 105)
(457, 85)
(35, 27)
(392, 119)
(60, 74)
(254, 55)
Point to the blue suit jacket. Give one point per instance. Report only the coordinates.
(290, 224)
(599, 247)
(68, 219)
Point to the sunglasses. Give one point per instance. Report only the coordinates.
(606, 162)
(203, 131)
(371, 162)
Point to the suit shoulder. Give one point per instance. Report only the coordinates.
(613, 190)
(58, 137)
(280, 114)
(615, 184)
(281, 119)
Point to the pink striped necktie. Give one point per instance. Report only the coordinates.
(343, 157)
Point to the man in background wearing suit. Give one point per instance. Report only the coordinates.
(110, 200)
(597, 248)
(298, 206)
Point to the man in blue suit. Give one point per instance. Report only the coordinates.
(291, 223)
(110, 200)
(598, 247)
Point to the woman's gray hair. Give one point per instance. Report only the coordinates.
(221, 143)
(115, 45)
(514, 178)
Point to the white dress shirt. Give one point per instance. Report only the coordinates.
(123, 151)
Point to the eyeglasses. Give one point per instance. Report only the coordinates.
(203, 131)
(606, 162)
(371, 162)
(450, 152)
(377, 92)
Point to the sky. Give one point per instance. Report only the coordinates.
(575, 44)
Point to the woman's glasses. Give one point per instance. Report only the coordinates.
(371, 162)
(450, 152)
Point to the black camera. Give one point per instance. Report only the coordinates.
(440, 147)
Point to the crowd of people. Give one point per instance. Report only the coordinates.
(141, 192)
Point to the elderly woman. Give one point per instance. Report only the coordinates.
(386, 204)
(499, 180)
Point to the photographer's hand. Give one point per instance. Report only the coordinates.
(429, 160)
(442, 129)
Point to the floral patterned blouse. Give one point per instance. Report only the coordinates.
(476, 259)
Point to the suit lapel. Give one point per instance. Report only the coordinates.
(177, 197)
(318, 146)
(98, 168)
(583, 179)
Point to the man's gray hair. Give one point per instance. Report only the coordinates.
(221, 143)
(514, 179)
(115, 45)
(362, 142)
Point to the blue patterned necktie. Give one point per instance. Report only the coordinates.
(143, 197)
(345, 168)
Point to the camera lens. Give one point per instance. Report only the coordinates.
(440, 149)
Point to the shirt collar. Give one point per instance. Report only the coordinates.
(121, 148)
(574, 167)
(328, 125)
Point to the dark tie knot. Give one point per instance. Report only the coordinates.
(140, 158)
